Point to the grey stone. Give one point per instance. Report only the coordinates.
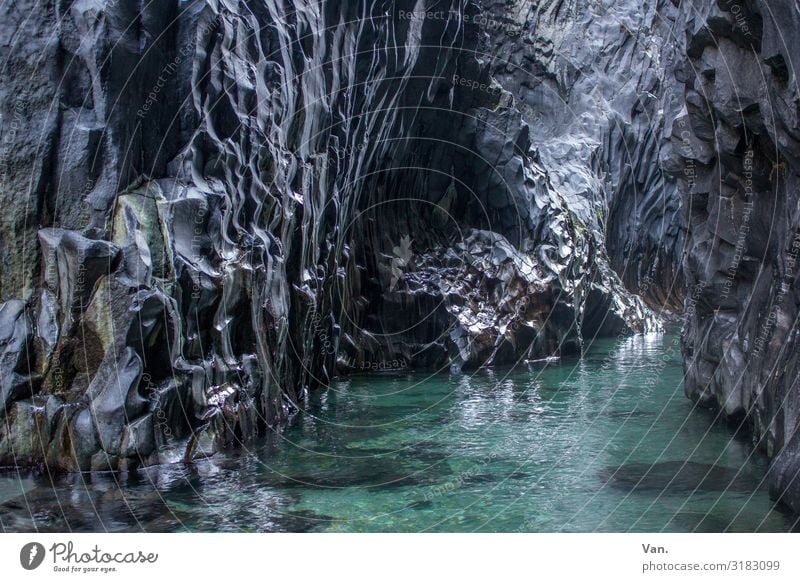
(114, 398)
(15, 353)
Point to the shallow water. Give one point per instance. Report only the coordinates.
(605, 443)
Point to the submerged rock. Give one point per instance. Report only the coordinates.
(680, 477)
(700, 522)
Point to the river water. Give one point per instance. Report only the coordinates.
(605, 443)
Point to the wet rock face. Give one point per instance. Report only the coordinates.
(88, 333)
(231, 204)
(736, 145)
(15, 336)
(593, 80)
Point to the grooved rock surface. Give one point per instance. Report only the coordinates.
(212, 207)
(238, 201)
(594, 82)
(735, 145)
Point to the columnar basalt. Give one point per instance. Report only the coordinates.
(247, 199)
(735, 145)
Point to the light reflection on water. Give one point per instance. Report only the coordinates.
(605, 443)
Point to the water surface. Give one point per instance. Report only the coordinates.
(605, 443)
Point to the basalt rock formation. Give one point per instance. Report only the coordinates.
(240, 200)
(735, 146)
(214, 206)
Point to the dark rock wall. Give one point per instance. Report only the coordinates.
(88, 324)
(594, 82)
(29, 56)
(212, 207)
(235, 201)
(735, 144)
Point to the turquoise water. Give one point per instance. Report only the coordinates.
(605, 443)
